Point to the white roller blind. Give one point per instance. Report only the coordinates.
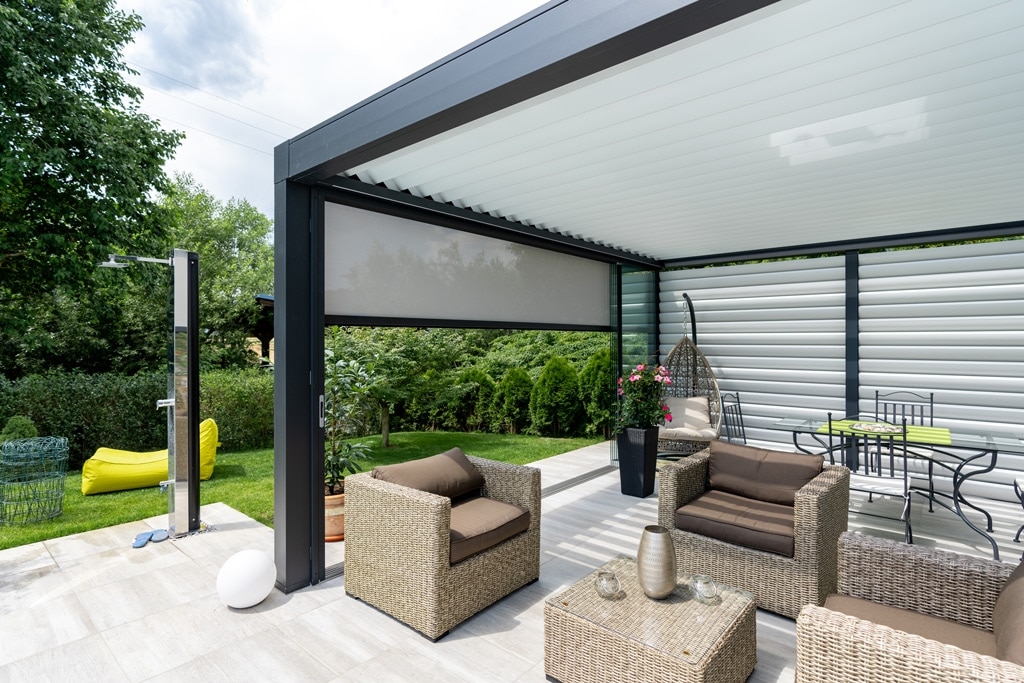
(385, 266)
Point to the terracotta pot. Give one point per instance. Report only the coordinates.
(334, 518)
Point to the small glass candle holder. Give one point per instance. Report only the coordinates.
(704, 588)
(607, 584)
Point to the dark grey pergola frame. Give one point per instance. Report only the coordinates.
(556, 44)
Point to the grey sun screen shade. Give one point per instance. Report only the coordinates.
(385, 266)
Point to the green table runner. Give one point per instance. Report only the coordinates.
(915, 433)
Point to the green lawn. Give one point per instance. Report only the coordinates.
(245, 481)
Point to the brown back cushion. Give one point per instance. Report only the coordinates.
(448, 474)
(758, 473)
(1008, 618)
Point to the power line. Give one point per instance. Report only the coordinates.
(212, 111)
(213, 135)
(207, 92)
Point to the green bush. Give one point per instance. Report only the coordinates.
(119, 411)
(18, 427)
(94, 410)
(555, 408)
(242, 404)
(597, 391)
(472, 407)
(510, 405)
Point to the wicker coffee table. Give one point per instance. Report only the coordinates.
(630, 637)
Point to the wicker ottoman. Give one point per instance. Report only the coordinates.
(589, 639)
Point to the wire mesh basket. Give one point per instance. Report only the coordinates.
(32, 475)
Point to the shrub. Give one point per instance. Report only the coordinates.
(472, 407)
(18, 427)
(119, 411)
(242, 404)
(555, 408)
(597, 392)
(94, 410)
(510, 405)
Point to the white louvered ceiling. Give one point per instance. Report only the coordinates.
(805, 122)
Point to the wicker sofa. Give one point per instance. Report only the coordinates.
(980, 625)
(816, 514)
(403, 555)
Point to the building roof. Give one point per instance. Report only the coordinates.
(680, 131)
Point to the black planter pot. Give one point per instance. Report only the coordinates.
(638, 456)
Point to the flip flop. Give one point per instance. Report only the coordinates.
(142, 539)
(159, 535)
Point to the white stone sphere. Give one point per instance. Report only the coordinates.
(246, 579)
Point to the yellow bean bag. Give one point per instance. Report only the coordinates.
(112, 470)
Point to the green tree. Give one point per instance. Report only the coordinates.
(597, 392)
(531, 350)
(120, 319)
(471, 410)
(78, 161)
(510, 406)
(555, 408)
(236, 262)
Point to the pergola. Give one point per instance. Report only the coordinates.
(640, 136)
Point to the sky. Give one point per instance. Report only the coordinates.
(239, 77)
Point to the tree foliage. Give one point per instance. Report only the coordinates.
(119, 319)
(597, 394)
(555, 408)
(236, 262)
(471, 410)
(78, 160)
(510, 405)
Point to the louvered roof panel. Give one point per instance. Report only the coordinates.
(804, 122)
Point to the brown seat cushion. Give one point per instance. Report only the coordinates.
(1008, 618)
(771, 476)
(740, 521)
(481, 523)
(924, 625)
(448, 474)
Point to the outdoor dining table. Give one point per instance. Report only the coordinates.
(965, 454)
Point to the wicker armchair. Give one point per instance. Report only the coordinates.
(780, 584)
(834, 647)
(397, 544)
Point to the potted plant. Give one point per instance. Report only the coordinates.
(641, 410)
(339, 461)
(345, 385)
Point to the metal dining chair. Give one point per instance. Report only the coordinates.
(876, 453)
(917, 409)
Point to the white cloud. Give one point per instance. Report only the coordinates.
(290, 65)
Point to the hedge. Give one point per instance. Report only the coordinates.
(120, 411)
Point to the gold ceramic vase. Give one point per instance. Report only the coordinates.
(656, 562)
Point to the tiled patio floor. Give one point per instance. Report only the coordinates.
(89, 607)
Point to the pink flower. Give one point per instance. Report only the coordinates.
(668, 417)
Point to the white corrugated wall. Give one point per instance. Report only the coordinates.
(949, 320)
(945, 319)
